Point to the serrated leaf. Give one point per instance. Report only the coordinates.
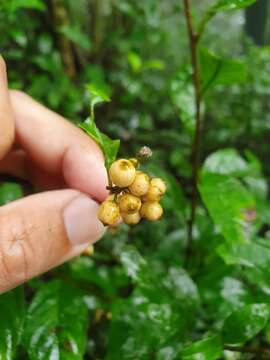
(229, 204)
(9, 192)
(225, 5)
(56, 323)
(209, 348)
(12, 307)
(245, 323)
(108, 146)
(220, 71)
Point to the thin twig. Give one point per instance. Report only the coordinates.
(193, 42)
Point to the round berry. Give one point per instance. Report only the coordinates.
(140, 185)
(89, 251)
(131, 219)
(151, 211)
(160, 184)
(122, 173)
(134, 161)
(129, 204)
(153, 194)
(109, 213)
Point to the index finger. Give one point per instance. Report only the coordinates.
(6, 118)
(59, 147)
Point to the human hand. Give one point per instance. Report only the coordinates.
(43, 230)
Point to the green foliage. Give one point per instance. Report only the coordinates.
(56, 323)
(12, 321)
(243, 324)
(228, 203)
(224, 5)
(136, 298)
(209, 348)
(9, 192)
(109, 147)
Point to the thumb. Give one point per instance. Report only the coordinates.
(42, 231)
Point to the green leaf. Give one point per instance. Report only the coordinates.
(225, 5)
(219, 71)
(12, 307)
(14, 5)
(10, 192)
(253, 255)
(245, 323)
(108, 146)
(134, 264)
(209, 348)
(97, 96)
(182, 287)
(226, 162)
(56, 326)
(135, 61)
(229, 204)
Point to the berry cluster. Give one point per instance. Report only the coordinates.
(133, 195)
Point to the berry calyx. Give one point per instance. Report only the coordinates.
(151, 211)
(122, 173)
(140, 185)
(131, 219)
(109, 213)
(129, 204)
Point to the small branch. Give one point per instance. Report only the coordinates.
(248, 349)
(193, 43)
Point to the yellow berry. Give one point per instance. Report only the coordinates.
(160, 184)
(151, 211)
(122, 173)
(131, 219)
(134, 161)
(140, 185)
(109, 213)
(89, 251)
(129, 204)
(153, 194)
(111, 197)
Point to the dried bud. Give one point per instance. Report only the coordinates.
(145, 152)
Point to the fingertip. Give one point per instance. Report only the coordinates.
(85, 171)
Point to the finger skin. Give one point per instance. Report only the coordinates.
(58, 147)
(37, 233)
(6, 117)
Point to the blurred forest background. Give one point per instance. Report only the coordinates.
(132, 299)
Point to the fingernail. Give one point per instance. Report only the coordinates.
(81, 221)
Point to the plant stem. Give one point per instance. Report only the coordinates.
(193, 43)
(248, 349)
